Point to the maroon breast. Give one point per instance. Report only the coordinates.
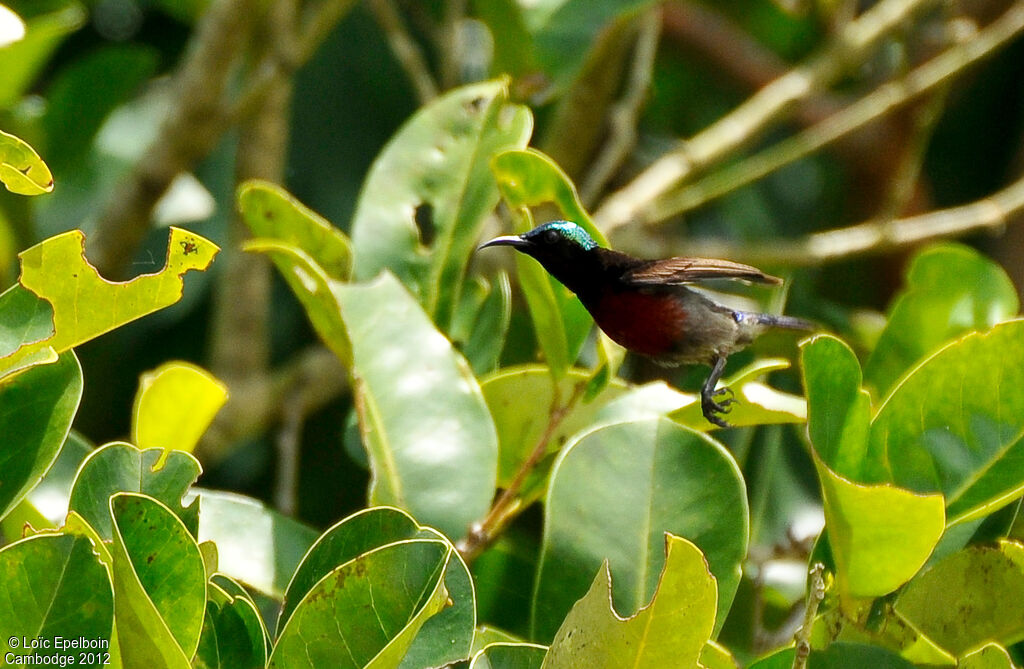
(651, 325)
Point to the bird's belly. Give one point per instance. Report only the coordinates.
(652, 325)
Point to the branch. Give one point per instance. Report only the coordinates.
(622, 117)
(992, 213)
(851, 46)
(883, 100)
(315, 375)
(482, 534)
(409, 55)
(189, 132)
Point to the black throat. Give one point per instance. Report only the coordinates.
(587, 272)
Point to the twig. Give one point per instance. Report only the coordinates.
(315, 373)
(992, 213)
(815, 594)
(741, 126)
(923, 79)
(622, 117)
(189, 132)
(409, 55)
(288, 439)
(481, 534)
(198, 117)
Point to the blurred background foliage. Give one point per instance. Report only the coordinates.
(97, 88)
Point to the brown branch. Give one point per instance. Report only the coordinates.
(190, 130)
(315, 375)
(507, 507)
(990, 214)
(737, 129)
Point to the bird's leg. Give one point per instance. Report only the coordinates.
(709, 407)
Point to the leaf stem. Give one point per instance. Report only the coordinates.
(508, 506)
(815, 594)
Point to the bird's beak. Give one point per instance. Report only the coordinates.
(507, 240)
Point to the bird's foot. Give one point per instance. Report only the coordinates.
(710, 408)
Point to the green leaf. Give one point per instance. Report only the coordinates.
(565, 31)
(314, 288)
(36, 410)
(950, 290)
(366, 612)
(24, 319)
(757, 403)
(989, 656)
(159, 583)
(233, 634)
(955, 424)
(520, 401)
(174, 405)
(255, 545)
(614, 492)
(427, 195)
(445, 637)
(509, 656)
(528, 178)
(21, 168)
(273, 213)
(22, 61)
(120, 467)
(53, 586)
(432, 445)
(56, 271)
(969, 597)
(880, 535)
(839, 409)
(671, 631)
(489, 329)
(840, 655)
(714, 656)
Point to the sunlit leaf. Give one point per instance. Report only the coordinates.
(503, 655)
(432, 445)
(955, 424)
(273, 213)
(56, 271)
(669, 631)
(989, 656)
(21, 168)
(255, 545)
(950, 290)
(880, 535)
(366, 612)
(614, 492)
(446, 636)
(757, 403)
(175, 404)
(427, 194)
(970, 597)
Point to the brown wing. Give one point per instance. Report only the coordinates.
(672, 271)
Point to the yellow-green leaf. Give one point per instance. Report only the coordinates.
(21, 168)
(174, 405)
(85, 305)
(989, 656)
(880, 535)
(671, 631)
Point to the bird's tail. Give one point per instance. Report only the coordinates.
(784, 322)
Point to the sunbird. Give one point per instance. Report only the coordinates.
(646, 306)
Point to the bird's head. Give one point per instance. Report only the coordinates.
(553, 244)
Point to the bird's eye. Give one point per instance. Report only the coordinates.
(551, 236)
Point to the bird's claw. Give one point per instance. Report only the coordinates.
(709, 407)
